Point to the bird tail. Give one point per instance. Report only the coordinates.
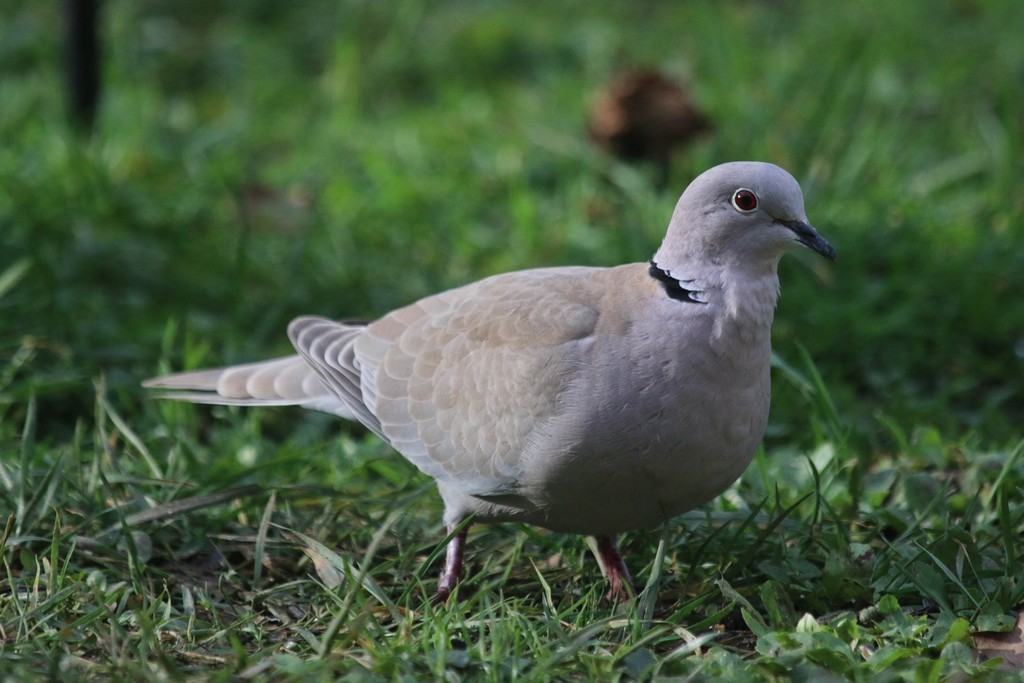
(287, 381)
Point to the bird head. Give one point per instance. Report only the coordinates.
(744, 213)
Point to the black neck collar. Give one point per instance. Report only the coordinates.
(673, 287)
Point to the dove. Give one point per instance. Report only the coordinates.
(579, 399)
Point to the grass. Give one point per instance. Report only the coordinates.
(254, 161)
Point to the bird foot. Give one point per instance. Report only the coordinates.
(452, 566)
(621, 587)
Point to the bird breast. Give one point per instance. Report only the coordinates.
(641, 441)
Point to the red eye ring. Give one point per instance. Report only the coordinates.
(744, 201)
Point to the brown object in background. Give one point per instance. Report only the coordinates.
(644, 115)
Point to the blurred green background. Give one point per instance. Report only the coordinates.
(256, 160)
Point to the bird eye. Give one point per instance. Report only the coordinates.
(744, 201)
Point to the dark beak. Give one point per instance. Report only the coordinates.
(809, 237)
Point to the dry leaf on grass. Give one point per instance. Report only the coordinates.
(1009, 645)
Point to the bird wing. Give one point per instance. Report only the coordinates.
(460, 382)
(327, 346)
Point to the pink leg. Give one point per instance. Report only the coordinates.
(452, 566)
(614, 569)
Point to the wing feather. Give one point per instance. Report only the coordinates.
(460, 381)
(326, 346)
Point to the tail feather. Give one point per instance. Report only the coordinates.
(198, 380)
(285, 381)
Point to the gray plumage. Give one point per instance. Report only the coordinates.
(584, 400)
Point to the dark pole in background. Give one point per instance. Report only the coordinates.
(83, 60)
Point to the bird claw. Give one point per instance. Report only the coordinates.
(619, 592)
(441, 596)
